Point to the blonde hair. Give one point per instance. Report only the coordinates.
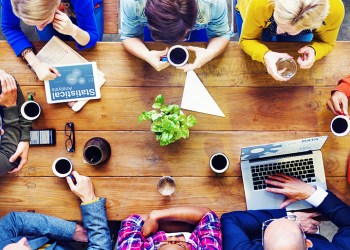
(34, 10)
(301, 14)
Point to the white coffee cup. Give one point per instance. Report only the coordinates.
(219, 163)
(340, 125)
(177, 55)
(30, 110)
(62, 167)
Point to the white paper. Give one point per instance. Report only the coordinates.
(197, 98)
(56, 52)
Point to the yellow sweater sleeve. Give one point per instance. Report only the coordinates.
(255, 14)
(326, 35)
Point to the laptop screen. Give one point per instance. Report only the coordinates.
(282, 148)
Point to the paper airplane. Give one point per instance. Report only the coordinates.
(197, 98)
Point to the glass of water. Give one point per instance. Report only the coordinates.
(286, 67)
(166, 185)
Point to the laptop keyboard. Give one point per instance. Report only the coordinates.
(300, 169)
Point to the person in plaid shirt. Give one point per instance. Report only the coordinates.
(169, 229)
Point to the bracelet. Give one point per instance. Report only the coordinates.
(26, 51)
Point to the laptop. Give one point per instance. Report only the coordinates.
(299, 158)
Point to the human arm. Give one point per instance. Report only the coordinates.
(93, 211)
(191, 215)
(241, 230)
(218, 33)
(10, 119)
(22, 150)
(136, 47)
(16, 224)
(326, 35)
(64, 25)
(338, 101)
(255, 17)
(216, 46)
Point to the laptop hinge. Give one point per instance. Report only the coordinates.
(280, 156)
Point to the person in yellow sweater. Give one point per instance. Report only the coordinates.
(314, 21)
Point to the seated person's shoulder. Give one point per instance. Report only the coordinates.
(336, 11)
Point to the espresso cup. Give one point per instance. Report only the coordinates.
(30, 110)
(219, 163)
(166, 185)
(340, 125)
(286, 67)
(96, 151)
(177, 55)
(62, 167)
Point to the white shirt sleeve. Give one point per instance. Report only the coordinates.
(317, 197)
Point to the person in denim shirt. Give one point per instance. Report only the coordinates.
(25, 231)
(171, 22)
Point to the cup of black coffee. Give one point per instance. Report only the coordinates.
(96, 151)
(62, 167)
(177, 55)
(219, 163)
(30, 110)
(340, 125)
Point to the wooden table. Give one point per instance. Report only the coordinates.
(258, 110)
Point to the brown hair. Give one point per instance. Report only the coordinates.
(170, 20)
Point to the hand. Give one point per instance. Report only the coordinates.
(83, 188)
(8, 95)
(307, 59)
(154, 58)
(271, 59)
(293, 188)
(202, 57)
(80, 234)
(307, 223)
(150, 226)
(22, 151)
(338, 103)
(45, 72)
(63, 24)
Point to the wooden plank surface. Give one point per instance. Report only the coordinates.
(232, 68)
(139, 154)
(285, 108)
(257, 108)
(51, 195)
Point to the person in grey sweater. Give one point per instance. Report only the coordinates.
(15, 129)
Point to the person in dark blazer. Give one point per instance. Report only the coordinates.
(274, 229)
(27, 231)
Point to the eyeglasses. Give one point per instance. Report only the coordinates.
(268, 222)
(182, 244)
(69, 132)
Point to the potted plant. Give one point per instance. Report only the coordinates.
(168, 122)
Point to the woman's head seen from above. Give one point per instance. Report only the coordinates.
(37, 13)
(292, 17)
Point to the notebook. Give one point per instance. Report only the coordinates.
(298, 158)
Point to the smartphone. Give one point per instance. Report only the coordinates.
(42, 137)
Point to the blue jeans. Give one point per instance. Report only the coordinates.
(48, 32)
(195, 35)
(266, 37)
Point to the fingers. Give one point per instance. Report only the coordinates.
(330, 106)
(15, 155)
(2, 132)
(286, 203)
(77, 176)
(70, 183)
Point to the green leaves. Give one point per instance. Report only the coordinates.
(167, 121)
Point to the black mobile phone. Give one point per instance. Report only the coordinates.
(42, 137)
